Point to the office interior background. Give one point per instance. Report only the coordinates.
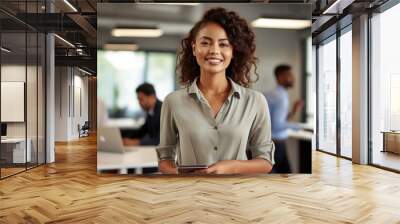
(121, 70)
(49, 71)
(357, 83)
(323, 75)
(48, 82)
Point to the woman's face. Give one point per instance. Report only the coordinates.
(212, 49)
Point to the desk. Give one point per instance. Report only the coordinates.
(133, 158)
(306, 126)
(391, 141)
(125, 123)
(17, 150)
(299, 150)
(301, 134)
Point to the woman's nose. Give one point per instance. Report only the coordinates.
(214, 49)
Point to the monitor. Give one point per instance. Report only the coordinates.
(3, 129)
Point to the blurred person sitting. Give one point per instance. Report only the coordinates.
(278, 102)
(149, 132)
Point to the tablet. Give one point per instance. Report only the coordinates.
(191, 168)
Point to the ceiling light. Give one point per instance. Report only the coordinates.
(84, 71)
(64, 40)
(70, 5)
(331, 7)
(337, 7)
(176, 3)
(5, 50)
(281, 23)
(136, 32)
(120, 47)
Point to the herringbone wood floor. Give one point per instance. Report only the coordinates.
(70, 191)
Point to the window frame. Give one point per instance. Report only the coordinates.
(333, 37)
(378, 10)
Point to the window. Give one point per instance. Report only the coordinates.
(385, 88)
(346, 93)
(327, 96)
(310, 89)
(161, 70)
(120, 72)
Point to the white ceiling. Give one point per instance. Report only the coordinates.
(177, 20)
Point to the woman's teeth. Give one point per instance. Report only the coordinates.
(214, 61)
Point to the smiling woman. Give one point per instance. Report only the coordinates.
(236, 38)
(215, 120)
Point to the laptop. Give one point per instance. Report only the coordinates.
(109, 140)
(3, 131)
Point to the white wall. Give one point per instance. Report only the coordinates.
(71, 87)
(62, 81)
(12, 73)
(80, 110)
(274, 47)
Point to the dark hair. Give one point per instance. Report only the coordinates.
(281, 68)
(146, 88)
(240, 36)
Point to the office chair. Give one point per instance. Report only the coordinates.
(84, 130)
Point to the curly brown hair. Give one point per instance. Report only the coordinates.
(240, 36)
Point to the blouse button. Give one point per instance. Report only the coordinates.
(216, 128)
(215, 148)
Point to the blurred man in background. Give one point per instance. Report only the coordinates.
(149, 132)
(278, 102)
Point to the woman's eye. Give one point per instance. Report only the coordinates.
(224, 45)
(204, 43)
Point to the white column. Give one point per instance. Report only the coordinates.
(62, 103)
(50, 98)
(360, 90)
(50, 92)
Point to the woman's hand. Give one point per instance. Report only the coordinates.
(221, 167)
(167, 167)
(131, 141)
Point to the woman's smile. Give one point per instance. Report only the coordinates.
(214, 60)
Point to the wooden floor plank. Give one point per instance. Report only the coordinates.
(71, 191)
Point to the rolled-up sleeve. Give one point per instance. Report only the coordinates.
(166, 150)
(260, 142)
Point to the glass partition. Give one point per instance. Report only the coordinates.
(41, 96)
(14, 153)
(31, 97)
(22, 88)
(327, 96)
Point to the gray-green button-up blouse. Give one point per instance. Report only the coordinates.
(190, 135)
